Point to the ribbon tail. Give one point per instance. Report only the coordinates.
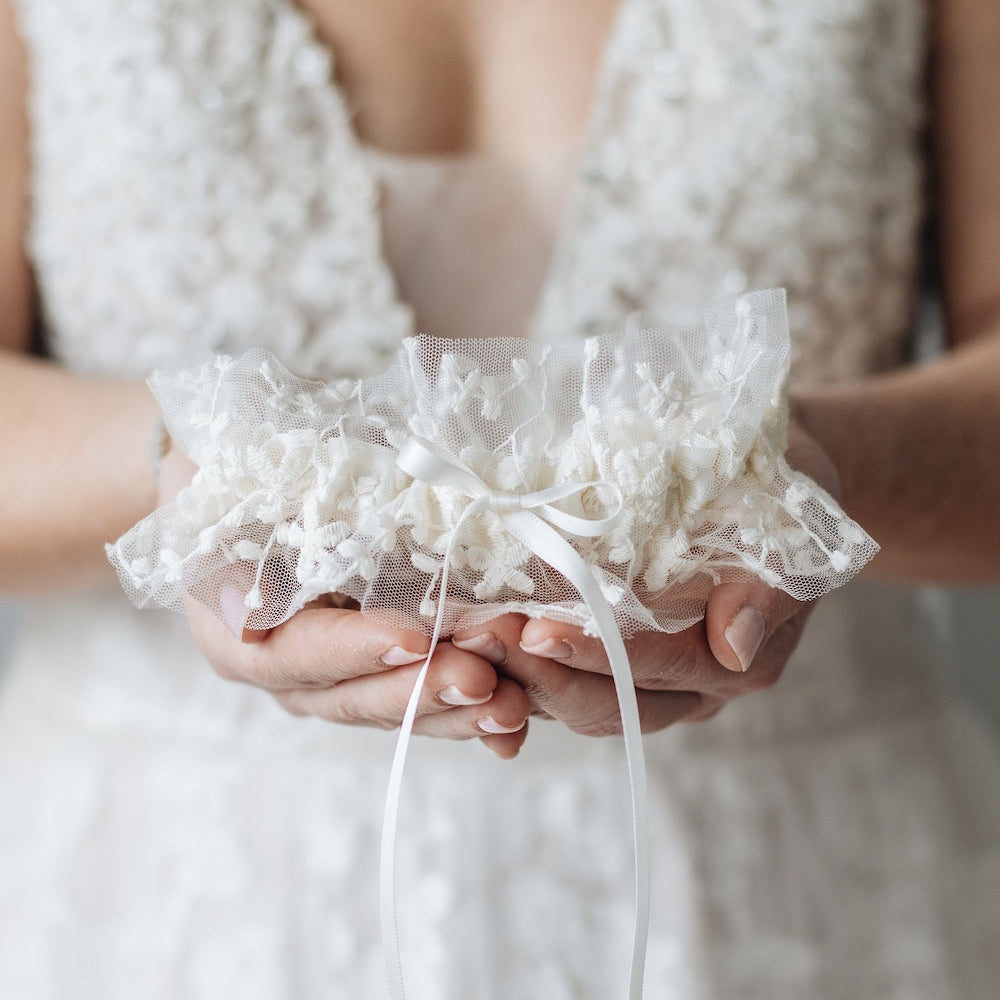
(546, 542)
(387, 864)
(390, 818)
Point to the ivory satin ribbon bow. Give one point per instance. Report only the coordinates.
(531, 518)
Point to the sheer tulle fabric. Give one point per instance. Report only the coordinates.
(299, 494)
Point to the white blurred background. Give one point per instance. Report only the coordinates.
(974, 670)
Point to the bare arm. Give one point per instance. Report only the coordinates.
(74, 470)
(919, 451)
(75, 473)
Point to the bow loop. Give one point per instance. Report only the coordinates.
(425, 461)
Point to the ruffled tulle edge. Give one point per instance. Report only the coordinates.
(299, 494)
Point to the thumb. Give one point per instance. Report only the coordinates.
(741, 617)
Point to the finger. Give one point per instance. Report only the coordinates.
(587, 702)
(317, 647)
(381, 701)
(505, 714)
(741, 618)
(583, 700)
(506, 746)
(234, 612)
(745, 623)
(492, 640)
(657, 660)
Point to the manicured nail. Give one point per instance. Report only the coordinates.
(399, 657)
(452, 695)
(745, 634)
(487, 645)
(490, 725)
(551, 649)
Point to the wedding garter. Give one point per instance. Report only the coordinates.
(609, 482)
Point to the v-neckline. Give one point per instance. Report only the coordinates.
(354, 147)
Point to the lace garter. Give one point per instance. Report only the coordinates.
(299, 493)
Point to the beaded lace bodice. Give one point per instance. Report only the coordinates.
(731, 146)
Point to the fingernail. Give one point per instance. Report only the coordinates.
(399, 657)
(745, 634)
(490, 725)
(234, 610)
(452, 695)
(487, 645)
(552, 649)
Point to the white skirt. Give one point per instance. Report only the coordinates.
(168, 835)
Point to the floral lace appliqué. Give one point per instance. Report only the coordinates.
(299, 493)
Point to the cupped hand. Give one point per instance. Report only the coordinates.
(332, 662)
(742, 645)
(340, 665)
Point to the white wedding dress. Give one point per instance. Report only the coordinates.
(167, 835)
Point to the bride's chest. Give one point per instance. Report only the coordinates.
(466, 76)
(198, 179)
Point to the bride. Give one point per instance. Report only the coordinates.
(326, 179)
